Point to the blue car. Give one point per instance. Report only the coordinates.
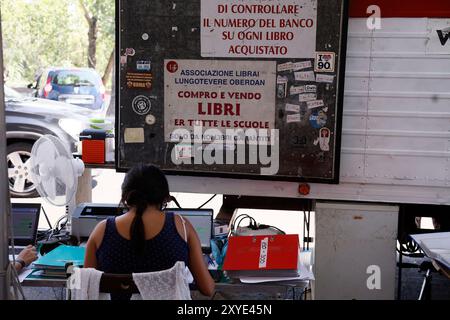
(78, 86)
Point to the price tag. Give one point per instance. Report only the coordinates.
(263, 253)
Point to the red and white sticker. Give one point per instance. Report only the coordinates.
(297, 90)
(325, 62)
(301, 65)
(288, 66)
(315, 104)
(263, 253)
(307, 97)
(292, 107)
(325, 78)
(324, 139)
(305, 76)
(294, 118)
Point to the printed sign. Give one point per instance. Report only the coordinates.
(258, 29)
(324, 78)
(301, 65)
(439, 36)
(236, 89)
(292, 118)
(137, 80)
(307, 97)
(288, 66)
(292, 108)
(305, 76)
(315, 104)
(219, 94)
(325, 62)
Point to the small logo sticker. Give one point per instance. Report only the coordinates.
(142, 105)
(324, 139)
(130, 52)
(150, 120)
(184, 152)
(144, 65)
(318, 120)
(172, 66)
(139, 80)
(325, 62)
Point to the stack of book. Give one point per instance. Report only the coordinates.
(54, 263)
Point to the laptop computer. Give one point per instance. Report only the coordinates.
(202, 221)
(25, 221)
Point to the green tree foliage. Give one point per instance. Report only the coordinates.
(99, 15)
(43, 33)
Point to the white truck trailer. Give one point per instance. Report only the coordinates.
(395, 156)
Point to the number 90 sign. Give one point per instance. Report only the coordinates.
(325, 62)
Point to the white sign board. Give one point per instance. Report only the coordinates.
(258, 29)
(218, 95)
(439, 36)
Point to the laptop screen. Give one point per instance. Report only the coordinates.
(202, 221)
(25, 220)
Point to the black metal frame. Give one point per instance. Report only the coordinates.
(235, 176)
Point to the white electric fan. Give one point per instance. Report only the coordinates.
(54, 171)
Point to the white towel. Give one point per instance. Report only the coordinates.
(172, 284)
(85, 285)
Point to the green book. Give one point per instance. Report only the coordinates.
(59, 257)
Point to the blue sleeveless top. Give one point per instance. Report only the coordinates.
(116, 254)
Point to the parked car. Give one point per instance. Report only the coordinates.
(28, 119)
(82, 87)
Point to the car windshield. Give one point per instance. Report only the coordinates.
(12, 94)
(77, 78)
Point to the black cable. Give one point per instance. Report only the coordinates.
(264, 226)
(309, 228)
(46, 217)
(252, 222)
(172, 198)
(59, 228)
(306, 229)
(235, 225)
(233, 222)
(207, 201)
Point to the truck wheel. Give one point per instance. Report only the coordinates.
(20, 184)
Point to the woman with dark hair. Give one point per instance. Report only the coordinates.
(146, 239)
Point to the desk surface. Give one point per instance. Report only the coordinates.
(439, 266)
(255, 291)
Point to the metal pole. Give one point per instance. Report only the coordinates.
(4, 185)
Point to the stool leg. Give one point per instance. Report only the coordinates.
(425, 292)
(399, 283)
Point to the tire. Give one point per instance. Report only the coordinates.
(20, 185)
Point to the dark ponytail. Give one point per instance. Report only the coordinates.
(143, 186)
